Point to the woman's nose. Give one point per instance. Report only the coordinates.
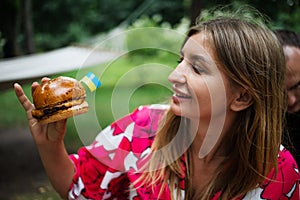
(178, 75)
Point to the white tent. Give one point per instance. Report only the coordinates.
(49, 63)
(53, 62)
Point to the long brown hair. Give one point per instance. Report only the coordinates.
(252, 58)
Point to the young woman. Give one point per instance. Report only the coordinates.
(220, 137)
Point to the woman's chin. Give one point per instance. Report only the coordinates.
(176, 109)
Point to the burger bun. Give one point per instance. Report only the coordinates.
(58, 99)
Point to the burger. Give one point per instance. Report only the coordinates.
(58, 99)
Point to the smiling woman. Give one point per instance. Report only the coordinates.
(220, 137)
(244, 115)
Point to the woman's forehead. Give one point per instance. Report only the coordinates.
(198, 43)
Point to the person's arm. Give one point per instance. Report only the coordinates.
(58, 166)
(49, 141)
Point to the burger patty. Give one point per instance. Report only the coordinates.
(47, 111)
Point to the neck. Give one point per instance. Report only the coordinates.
(210, 142)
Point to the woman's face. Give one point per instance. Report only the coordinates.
(200, 88)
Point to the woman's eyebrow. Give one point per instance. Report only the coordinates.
(196, 57)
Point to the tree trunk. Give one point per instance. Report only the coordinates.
(9, 27)
(28, 29)
(195, 9)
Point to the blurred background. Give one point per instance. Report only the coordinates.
(70, 38)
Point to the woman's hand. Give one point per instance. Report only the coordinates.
(49, 140)
(42, 133)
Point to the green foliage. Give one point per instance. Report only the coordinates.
(287, 15)
(151, 36)
(282, 14)
(59, 23)
(49, 41)
(289, 20)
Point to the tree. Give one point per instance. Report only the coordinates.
(59, 23)
(28, 29)
(195, 9)
(9, 26)
(196, 6)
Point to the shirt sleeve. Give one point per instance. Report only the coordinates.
(92, 178)
(101, 168)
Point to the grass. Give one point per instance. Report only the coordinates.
(127, 82)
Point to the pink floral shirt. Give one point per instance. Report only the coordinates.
(107, 168)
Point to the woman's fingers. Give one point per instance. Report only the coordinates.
(56, 131)
(36, 84)
(45, 79)
(33, 87)
(27, 105)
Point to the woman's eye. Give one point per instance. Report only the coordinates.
(198, 69)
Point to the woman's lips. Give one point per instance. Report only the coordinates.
(180, 98)
(180, 94)
(183, 96)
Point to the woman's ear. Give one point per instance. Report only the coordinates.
(242, 101)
